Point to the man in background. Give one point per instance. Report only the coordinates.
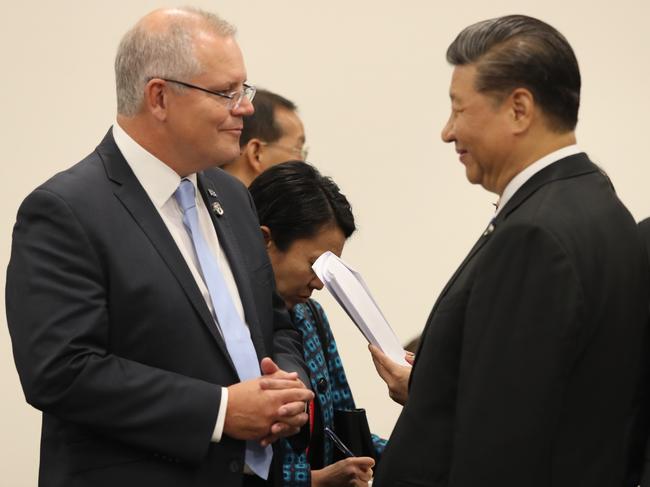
(272, 134)
(528, 367)
(140, 298)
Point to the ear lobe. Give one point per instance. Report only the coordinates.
(522, 106)
(155, 99)
(254, 149)
(266, 233)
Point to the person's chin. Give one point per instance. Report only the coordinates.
(302, 299)
(473, 176)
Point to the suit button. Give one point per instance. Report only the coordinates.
(234, 466)
(321, 385)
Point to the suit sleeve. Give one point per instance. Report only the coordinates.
(523, 317)
(56, 298)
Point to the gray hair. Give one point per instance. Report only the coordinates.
(144, 53)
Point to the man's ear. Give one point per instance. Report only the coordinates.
(522, 108)
(253, 151)
(266, 233)
(155, 98)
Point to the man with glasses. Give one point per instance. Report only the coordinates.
(272, 134)
(140, 298)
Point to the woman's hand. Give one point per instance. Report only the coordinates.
(395, 376)
(352, 472)
(409, 357)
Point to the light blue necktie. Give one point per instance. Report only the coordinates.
(235, 332)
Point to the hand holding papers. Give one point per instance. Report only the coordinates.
(348, 288)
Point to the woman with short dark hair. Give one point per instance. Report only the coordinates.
(303, 214)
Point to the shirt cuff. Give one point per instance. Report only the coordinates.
(221, 416)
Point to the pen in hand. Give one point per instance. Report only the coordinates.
(339, 444)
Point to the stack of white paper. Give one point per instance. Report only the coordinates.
(348, 288)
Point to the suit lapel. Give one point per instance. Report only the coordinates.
(569, 167)
(477, 246)
(474, 250)
(134, 198)
(221, 219)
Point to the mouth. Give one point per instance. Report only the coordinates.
(461, 153)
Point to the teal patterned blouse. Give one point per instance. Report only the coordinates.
(296, 471)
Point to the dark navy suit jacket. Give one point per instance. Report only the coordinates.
(112, 338)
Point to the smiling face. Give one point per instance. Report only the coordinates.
(294, 277)
(203, 130)
(479, 127)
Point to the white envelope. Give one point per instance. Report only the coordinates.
(349, 289)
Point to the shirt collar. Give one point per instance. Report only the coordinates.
(519, 180)
(158, 179)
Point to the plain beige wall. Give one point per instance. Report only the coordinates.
(371, 82)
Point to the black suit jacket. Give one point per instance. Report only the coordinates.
(644, 228)
(639, 471)
(528, 366)
(112, 338)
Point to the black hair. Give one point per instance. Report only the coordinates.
(295, 201)
(262, 124)
(519, 51)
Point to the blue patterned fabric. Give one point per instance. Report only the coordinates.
(295, 466)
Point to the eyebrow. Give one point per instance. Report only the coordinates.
(233, 86)
(455, 98)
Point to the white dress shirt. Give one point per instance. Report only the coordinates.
(160, 182)
(521, 178)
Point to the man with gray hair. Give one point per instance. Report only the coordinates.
(140, 299)
(529, 364)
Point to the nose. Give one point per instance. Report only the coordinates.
(244, 109)
(316, 283)
(447, 133)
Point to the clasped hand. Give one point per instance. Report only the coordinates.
(268, 407)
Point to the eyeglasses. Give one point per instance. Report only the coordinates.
(234, 97)
(302, 152)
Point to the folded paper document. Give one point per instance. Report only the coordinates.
(349, 289)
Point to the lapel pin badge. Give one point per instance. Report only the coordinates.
(217, 208)
(488, 230)
(212, 193)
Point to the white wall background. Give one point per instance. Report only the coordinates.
(371, 82)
